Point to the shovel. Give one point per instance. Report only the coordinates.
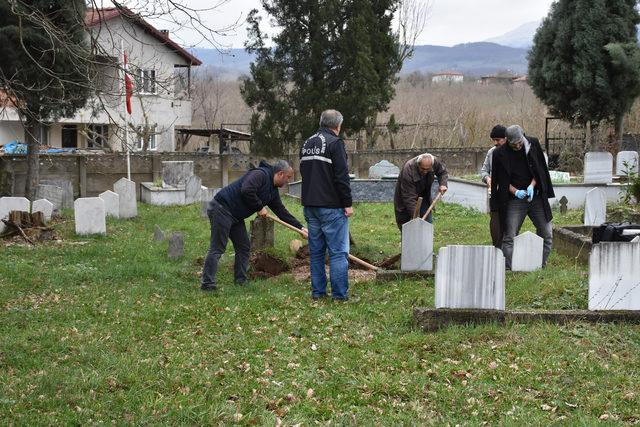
(351, 257)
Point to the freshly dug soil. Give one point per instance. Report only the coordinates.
(265, 265)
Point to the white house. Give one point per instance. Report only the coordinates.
(161, 71)
(447, 77)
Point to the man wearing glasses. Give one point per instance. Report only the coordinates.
(415, 180)
(520, 187)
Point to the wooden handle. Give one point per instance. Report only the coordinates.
(416, 211)
(351, 257)
(426, 214)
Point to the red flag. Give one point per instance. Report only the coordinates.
(128, 84)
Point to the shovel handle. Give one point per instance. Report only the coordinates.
(433, 204)
(351, 257)
(416, 211)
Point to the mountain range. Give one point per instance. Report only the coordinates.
(501, 53)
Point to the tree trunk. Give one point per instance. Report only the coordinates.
(619, 129)
(32, 138)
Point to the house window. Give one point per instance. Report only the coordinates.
(151, 139)
(97, 136)
(145, 81)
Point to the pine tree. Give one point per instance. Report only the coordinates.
(329, 54)
(45, 67)
(585, 61)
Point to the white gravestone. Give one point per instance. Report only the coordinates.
(527, 252)
(595, 207)
(470, 277)
(8, 204)
(126, 191)
(383, 168)
(52, 193)
(417, 246)
(560, 177)
(90, 216)
(631, 160)
(598, 168)
(44, 206)
(614, 276)
(192, 189)
(111, 203)
(175, 174)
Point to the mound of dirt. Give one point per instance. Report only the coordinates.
(265, 265)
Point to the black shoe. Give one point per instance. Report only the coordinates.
(208, 288)
(241, 283)
(318, 297)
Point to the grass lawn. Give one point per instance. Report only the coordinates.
(107, 329)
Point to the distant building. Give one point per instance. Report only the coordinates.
(521, 81)
(505, 78)
(447, 77)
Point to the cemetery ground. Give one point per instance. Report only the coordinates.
(107, 328)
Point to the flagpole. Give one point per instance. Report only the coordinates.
(126, 123)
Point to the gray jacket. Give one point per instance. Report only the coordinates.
(485, 172)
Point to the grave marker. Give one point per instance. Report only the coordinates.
(111, 203)
(126, 190)
(527, 252)
(595, 207)
(89, 215)
(614, 276)
(417, 246)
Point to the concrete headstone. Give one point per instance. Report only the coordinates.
(52, 193)
(527, 252)
(595, 207)
(90, 216)
(111, 203)
(67, 190)
(626, 162)
(158, 235)
(636, 240)
(176, 245)
(563, 204)
(382, 168)
(614, 276)
(417, 246)
(262, 234)
(598, 168)
(470, 277)
(126, 191)
(193, 189)
(44, 206)
(8, 204)
(176, 173)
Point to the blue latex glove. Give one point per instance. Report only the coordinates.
(521, 194)
(530, 192)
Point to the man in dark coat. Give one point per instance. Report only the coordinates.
(415, 180)
(520, 187)
(229, 208)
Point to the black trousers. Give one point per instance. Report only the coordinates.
(225, 226)
(496, 229)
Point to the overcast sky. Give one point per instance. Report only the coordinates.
(451, 22)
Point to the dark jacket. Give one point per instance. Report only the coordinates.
(253, 191)
(501, 177)
(324, 170)
(411, 185)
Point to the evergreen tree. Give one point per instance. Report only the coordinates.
(585, 61)
(45, 67)
(329, 54)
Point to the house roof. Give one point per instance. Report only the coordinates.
(95, 17)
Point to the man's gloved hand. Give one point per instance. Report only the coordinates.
(520, 194)
(530, 193)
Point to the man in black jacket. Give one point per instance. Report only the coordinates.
(326, 197)
(227, 211)
(521, 186)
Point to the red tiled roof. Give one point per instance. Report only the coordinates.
(94, 17)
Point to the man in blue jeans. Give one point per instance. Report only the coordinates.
(521, 187)
(326, 197)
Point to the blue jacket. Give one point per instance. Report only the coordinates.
(253, 191)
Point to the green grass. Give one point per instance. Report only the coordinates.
(112, 331)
